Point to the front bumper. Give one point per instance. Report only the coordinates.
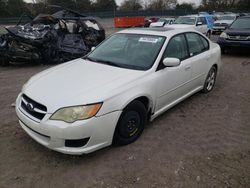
(217, 29)
(224, 43)
(97, 132)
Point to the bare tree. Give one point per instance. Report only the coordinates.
(131, 5)
(161, 4)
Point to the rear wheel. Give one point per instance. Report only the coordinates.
(208, 34)
(210, 80)
(131, 124)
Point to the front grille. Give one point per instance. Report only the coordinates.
(221, 24)
(238, 37)
(33, 108)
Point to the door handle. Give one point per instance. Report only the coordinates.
(187, 68)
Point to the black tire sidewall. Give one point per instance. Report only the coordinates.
(208, 34)
(138, 107)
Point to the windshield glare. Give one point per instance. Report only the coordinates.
(242, 23)
(185, 20)
(133, 51)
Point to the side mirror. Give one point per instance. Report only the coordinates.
(171, 62)
(92, 48)
(199, 23)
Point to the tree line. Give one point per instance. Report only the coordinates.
(13, 8)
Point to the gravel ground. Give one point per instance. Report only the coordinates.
(202, 142)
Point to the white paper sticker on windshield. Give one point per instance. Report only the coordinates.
(148, 39)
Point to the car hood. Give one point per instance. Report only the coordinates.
(223, 22)
(78, 82)
(242, 32)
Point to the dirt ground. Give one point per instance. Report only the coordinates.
(202, 142)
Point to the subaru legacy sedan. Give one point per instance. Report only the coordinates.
(108, 96)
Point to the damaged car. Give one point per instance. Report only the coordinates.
(51, 38)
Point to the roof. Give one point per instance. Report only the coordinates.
(161, 31)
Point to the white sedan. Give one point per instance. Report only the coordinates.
(108, 96)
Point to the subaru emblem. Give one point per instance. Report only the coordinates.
(30, 107)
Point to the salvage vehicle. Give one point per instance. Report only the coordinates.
(55, 38)
(202, 23)
(236, 36)
(107, 97)
(223, 23)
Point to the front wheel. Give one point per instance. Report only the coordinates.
(210, 80)
(131, 124)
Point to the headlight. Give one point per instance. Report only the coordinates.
(75, 113)
(224, 35)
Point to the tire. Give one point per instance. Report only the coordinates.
(4, 62)
(208, 34)
(130, 124)
(210, 80)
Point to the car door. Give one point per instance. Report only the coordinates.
(173, 82)
(199, 56)
(203, 26)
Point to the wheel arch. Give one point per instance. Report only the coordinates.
(145, 100)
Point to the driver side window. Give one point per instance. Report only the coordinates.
(177, 48)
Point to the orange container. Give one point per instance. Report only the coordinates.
(129, 21)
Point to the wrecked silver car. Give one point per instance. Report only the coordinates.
(55, 38)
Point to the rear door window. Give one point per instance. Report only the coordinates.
(195, 43)
(205, 43)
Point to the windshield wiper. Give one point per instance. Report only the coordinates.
(108, 63)
(89, 58)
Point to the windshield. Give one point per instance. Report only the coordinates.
(242, 23)
(185, 20)
(133, 51)
(226, 18)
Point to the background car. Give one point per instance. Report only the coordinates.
(237, 35)
(148, 21)
(108, 96)
(202, 23)
(223, 23)
(162, 22)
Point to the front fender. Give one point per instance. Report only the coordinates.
(121, 99)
